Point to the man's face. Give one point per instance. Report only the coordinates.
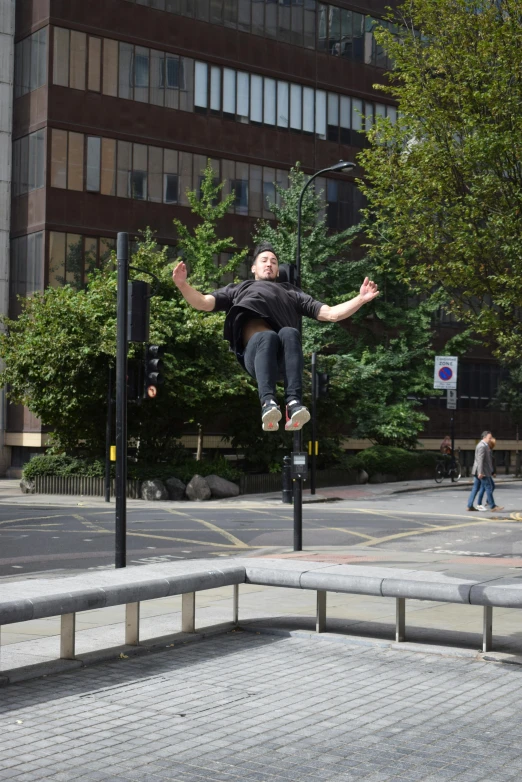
(488, 438)
(265, 267)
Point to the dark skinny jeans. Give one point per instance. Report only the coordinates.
(270, 356)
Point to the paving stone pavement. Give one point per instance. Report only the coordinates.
(264, 708)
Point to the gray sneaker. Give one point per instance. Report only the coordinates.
(297, 415)
(270, 416)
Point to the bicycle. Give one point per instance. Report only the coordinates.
(445, 469)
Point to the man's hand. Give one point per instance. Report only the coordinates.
(480, 477)
(179, 274)
(368, 290)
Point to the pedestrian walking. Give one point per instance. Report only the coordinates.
(480, 504)
(262, 327)
(483, 468)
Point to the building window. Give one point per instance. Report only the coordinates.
(94, 71)
(58, 158)
(150, 76)
(201, 85)
(155, 174)
(125, 71)
(165, 175)
(296, 106)
(75, 161)
(269, 191)
(305, 23)
(139, 172)
(29, 163)
(141, 74)
(78, 57)
(282, 104)
(73, 257)
(239, 186)
(30, 63)
(110, 67)
(108, 167)
(269, 102)
(256, 99)
(124, 169)
(170, 177)
(93, 163)
(229, 93)
(26, 270)
(215, 89)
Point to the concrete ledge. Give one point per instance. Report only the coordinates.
(359, 580)
(427, 585)
(500, 592)
(41, 598)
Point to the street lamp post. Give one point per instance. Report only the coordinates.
(342, 165)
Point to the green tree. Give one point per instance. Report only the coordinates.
(444, 184)
(378, 360)
(58, 352)
(509, 398)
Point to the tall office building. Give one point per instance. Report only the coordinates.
(118, 104)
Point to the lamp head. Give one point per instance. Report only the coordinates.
(342, 165)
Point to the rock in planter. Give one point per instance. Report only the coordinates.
(175, 488)
(27, 487)
(221, 488)
(362, 476)
(198, 489)
(153, 490)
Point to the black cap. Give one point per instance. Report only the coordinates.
(264, 247)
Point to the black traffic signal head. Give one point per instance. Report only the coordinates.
(153, 369)
(287, 273)
(323, 384)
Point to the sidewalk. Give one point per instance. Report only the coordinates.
(10, 494)
(243, 707)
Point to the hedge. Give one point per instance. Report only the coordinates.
(62, 465)
(389, 460)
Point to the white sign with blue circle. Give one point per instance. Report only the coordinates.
(445, 375)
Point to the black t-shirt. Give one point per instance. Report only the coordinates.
(280, 304)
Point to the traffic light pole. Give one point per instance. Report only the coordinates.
(298, 440)
(108, 432)
(121, 402)
(314, 423)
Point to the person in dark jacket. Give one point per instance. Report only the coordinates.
(262, 327)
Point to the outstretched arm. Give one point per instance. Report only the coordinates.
(199, 301)
(344, 310)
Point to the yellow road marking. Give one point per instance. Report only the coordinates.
(36, 518)
(395, 517)
(227, 535)
(399, 535)
(404, 513)
(350, 532)
(186, 540)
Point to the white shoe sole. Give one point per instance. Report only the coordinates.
(298, 420)
(271, 420)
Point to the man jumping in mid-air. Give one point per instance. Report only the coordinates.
(262, 327)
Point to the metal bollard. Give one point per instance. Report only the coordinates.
(287, 494)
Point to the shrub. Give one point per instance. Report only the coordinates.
(62, 465)
(390, 460)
